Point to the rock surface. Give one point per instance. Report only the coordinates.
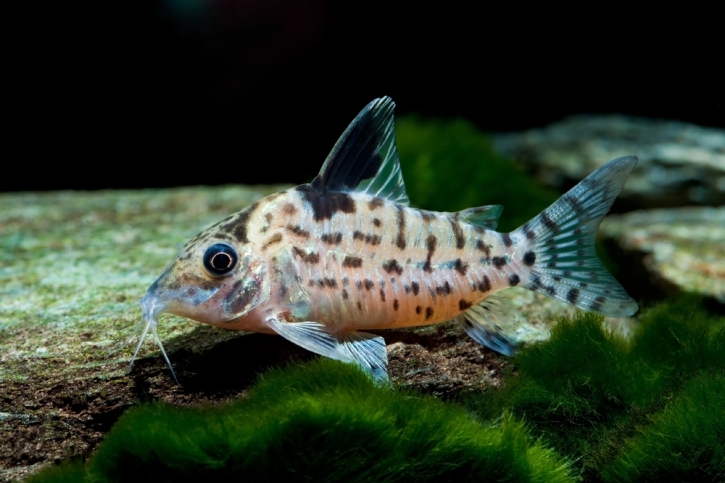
(679, 164)
(73, 266)
(681, 249)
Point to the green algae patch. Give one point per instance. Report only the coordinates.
(683, 442)
(595, 396)
(323, 422)
(450, 165)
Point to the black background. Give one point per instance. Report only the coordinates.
(168, 93)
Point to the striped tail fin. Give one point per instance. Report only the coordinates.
(559, 252)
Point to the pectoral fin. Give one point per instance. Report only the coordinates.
(366, 350)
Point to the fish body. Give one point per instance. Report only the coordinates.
(321, 262)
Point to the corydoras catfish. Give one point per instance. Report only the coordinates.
(321, 262)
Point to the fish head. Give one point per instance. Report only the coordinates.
(214, 279)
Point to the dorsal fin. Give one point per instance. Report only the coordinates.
(483, 216)
(365, 158)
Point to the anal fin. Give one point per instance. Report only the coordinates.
(492, 323)
(366, 350)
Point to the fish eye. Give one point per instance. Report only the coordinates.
(220, 259)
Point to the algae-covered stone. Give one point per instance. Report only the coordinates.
(679, 163)
(681, 249)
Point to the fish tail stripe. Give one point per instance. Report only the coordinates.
(559, 259)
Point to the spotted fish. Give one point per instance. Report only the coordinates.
(320, 263)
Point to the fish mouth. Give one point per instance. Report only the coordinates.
(151, 307)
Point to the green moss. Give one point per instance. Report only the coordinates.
(450, 166)
(67, 472)
(684, 442)
(589, 393)
(325, 421)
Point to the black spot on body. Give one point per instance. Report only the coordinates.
(369, 284)
(325, 206)
(375, 203)
(514, 280)
(418, 309)
(358, 285)
(359, 306)
(458, 234)
(345, 295)
(276, 238)
(427, 216)
(311, 258)
(400, 239)
(238, 225)
(392, 265)
(481, 246)
(572, 296)
(484, 285)
(396, 304)
(289, 209)
(529, 258)
(331, 282)
(464, 305)
(430, 243)
(461, 267)
(416, 287)
(377, 222)
(506, 238)
(428, 312)
(499, 262)
(406, 288)
(331, 238)
(352, 262)
(298, 230)
(382, 295)
(320, 283)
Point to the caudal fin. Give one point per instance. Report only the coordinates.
(559, 255)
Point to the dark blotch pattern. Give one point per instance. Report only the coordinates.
(464, 304)
(370, 238)
(428, 312)
(382, 295)
(484, 285)
(331, 238)
(506, 238)
(572, 296)
(289, 209)
(430, 243)
(400, 239)
(416, 287)
(391, 266)
(345, 295)
(324, 207)
(418, 309)
(547, 221)
(331, 283)
(481, 246)
(369, 284)
(461, 267)
(458, 233)
(238, 225)
(375, 203)
(499, 262)
(529, 258)
(514, 280)
(396, 304)
(276, 238)
(307, 257)
(352, 262)
(377, 222)
(298, 230)
(443, 290)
